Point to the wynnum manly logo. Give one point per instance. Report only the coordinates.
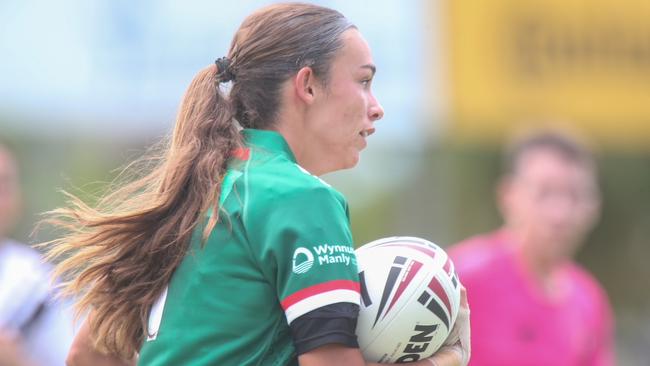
(330, 254)
(303, 258)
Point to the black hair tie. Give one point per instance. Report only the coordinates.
(225, 74)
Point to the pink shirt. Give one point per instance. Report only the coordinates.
(515, 324)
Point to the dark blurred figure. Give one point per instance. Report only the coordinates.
(34, 328)
(531, 304)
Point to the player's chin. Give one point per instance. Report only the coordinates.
(352, 159)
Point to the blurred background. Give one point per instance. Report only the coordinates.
(86, 86)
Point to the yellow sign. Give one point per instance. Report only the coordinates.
(515, 61)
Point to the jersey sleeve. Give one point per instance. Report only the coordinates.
(335, 323)
(304, 248)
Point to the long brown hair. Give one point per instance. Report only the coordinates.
(118, 256)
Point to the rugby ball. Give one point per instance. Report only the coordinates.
(410, 297)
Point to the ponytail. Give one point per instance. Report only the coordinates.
(120, 255)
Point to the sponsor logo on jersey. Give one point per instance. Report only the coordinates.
(303, 260)
(324, 254)
(330, 254)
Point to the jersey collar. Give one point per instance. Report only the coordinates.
(268, 140)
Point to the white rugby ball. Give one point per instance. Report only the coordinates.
(410, 297)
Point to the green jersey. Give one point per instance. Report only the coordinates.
(282, 248)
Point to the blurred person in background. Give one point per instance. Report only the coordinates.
(532, 305)
(35, 329)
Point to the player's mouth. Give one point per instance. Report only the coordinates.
(367, 132)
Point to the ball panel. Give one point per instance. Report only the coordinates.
(390, 299)
(409, 299)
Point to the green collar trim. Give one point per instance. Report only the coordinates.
(268, 140)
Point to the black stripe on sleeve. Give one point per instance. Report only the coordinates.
(330, 324)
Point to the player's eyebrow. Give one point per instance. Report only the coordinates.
(372, 68)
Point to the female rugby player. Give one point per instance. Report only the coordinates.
(199, 262)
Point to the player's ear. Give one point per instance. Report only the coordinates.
(304, 84)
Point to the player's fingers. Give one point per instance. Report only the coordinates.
(463, 297)
(447, 355)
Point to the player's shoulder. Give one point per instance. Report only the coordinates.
(20, 257)
(24, 277)
(589, 297)
(586, 283)
(280, 179)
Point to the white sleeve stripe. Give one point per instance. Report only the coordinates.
(311, 303)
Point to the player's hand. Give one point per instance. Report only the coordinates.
(456, 350)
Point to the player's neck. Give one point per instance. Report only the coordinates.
(544, 271)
